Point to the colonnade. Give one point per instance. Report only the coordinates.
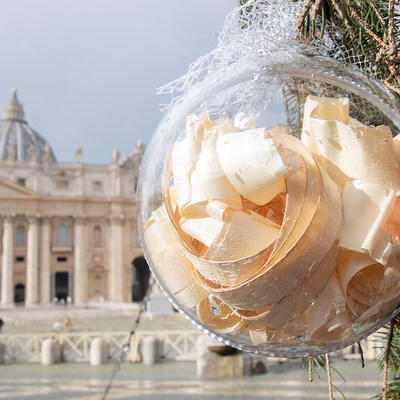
(38, 260)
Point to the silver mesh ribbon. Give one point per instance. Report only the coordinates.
(257, 33)
(252, 31)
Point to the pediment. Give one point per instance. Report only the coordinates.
(10, 189)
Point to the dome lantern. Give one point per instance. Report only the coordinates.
(18, 142)
(14, 110)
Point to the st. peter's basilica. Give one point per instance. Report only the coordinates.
(68, 230)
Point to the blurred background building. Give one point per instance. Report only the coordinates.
(68, 230)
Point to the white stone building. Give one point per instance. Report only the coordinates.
(68, 230)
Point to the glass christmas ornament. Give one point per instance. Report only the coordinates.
(268, 208)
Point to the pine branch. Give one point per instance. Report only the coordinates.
(303, 15)
(392, 358)
(371, 31)
(386, 364)
(389, 360)
(315, 365)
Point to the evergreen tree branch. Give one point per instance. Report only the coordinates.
(317, 363)
(317, 8)
(363, 24)
(382, 21)
(391, 31)
(385, 370)
(343, 17)
(302, 17)
(370, 29)
(389, 360)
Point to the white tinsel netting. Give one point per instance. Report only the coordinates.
(250, 31)
(258, 34)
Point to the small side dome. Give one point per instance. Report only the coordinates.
(17, 140)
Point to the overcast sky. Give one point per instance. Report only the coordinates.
(87, 70)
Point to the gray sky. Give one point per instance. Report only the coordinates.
(87, 70)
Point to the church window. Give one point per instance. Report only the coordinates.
(62, 184)
(21, 181)
(97, 186)
(97, 236)
(21, 236)
(19, 259)
(61, 259)
(62, 235)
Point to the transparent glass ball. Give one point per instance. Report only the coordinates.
(267, 205)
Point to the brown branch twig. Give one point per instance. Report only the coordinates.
(344, 18)
(381, 52)
(316, 8)
(393, 70)
(391, 31)
(360, 350)
(374, 37)
(372, 4)
(328, 372)
(302, 17)
(393, 88)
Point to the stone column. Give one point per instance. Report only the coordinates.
(115, 181)
(80, 270)
(7, 284)
(32, 262)
(116, 282)
(45, 278)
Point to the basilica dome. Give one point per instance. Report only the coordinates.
(19, 142)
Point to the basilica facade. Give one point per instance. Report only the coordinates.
(68, 230)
